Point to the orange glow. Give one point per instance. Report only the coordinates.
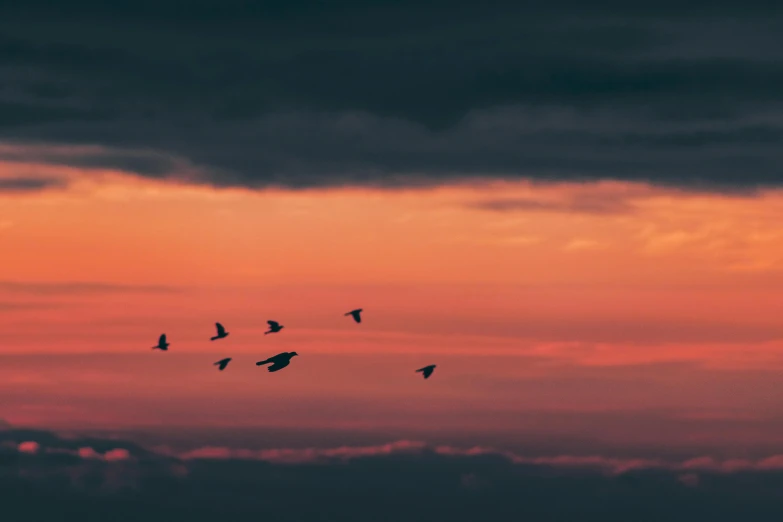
(644, 287)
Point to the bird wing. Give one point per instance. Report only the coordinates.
(273, 324)
(280, 363)
(220, 329)
(162, 339)
(357, 317)
(427, 370)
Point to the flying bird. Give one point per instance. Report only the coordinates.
(279, 361)
(274, 327)
(222, 363)
(427, 370)
(355, 314)
(162, 344)
(221, 332)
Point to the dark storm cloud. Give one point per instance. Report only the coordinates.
(144, 162)
(46, 477)
(304, 94)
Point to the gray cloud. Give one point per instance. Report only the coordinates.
(44, 475)
(403, 93)
(579, 204)
(28, 184)
(144, 162)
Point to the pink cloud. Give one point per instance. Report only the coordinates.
(28, 447)
(114, 455)
(210, 452)
(611, 464)
(688, 468)
(303, 455)
(774, 462)
(88, 453)
(607, 464)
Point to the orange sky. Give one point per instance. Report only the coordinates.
(645, 298)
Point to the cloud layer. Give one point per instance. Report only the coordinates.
(398, 93)
(46, 476)
(611, 465)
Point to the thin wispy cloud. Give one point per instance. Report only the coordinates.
(78, 287)
(10, 306)
(23, 185)
(582, 244)
(76, 447)
(577, 205)
(609, 464)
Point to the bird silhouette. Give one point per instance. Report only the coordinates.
(221, 332)
(355, 314)
(279, 361)
(222, 363)
(162, 344)
(274, 327)
(427, 370)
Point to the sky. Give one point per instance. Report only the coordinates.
(577, 214)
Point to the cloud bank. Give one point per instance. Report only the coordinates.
(405, 447)
(389, 94)
(44, 477)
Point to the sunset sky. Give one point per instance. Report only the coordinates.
(578, 216)
(581, 299)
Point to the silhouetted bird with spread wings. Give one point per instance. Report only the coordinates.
(427, 370)
(274, 327)
(221, 332)
(279, 361)
(162, 344)
(222, 363)
(355, 314)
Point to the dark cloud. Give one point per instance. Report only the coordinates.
(304, 94)
(47, 442)
(45, 477)
(148, 163)
(28, 184)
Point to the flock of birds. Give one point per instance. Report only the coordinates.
(281, 360)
